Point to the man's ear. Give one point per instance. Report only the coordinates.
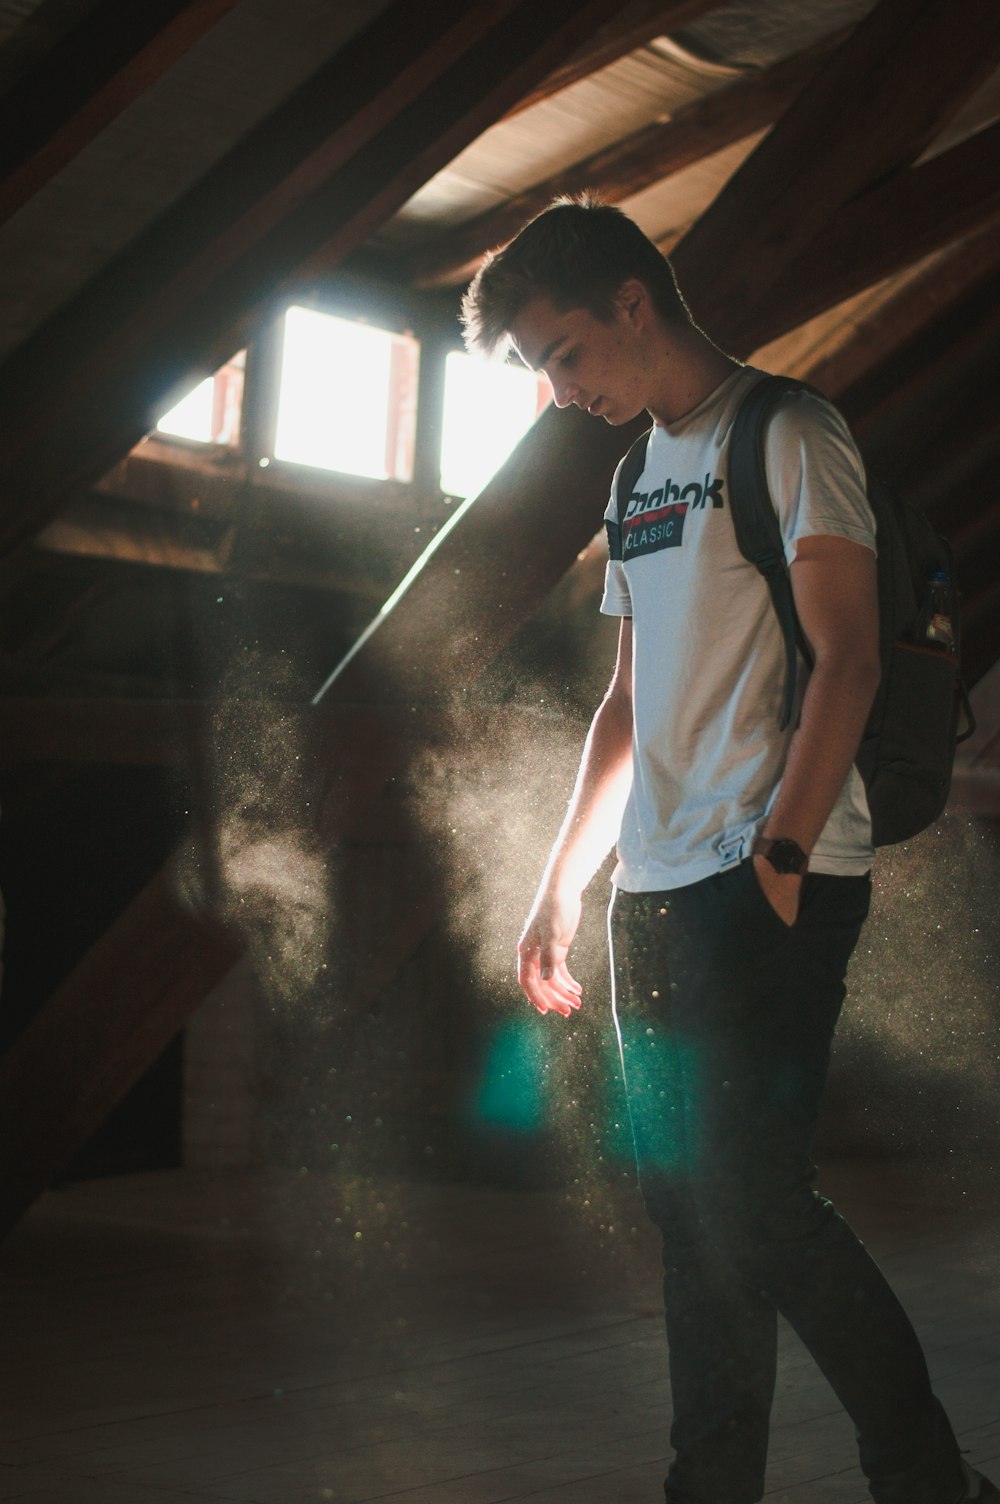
(632, 298)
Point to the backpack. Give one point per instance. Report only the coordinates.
(921, 709)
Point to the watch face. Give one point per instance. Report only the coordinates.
(786, 856)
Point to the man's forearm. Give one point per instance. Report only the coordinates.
(594, 815)
(835, 707)
(587, 834)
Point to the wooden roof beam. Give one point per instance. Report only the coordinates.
(935, 370)
(941, 408)
(901, 317)
(869, 111)
(923, 408)
(917, 211)
(329, 166)
(138, 985)
(635, 23)
(257, 547)
(489, 569)
(101, 528)
(105, 1026)
(616, 172)
(492, 566)
(302, 189)
(111, 56)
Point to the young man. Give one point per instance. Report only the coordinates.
(744, 852)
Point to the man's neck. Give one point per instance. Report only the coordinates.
(691, 368)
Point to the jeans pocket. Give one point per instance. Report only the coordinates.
(761, 900)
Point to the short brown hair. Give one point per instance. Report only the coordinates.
(578, 252)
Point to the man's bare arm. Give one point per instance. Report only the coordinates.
(587, 835)
(834, 584)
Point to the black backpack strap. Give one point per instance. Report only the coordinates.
(631, 468)
(758, 533)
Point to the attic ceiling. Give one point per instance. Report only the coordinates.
(172, 174)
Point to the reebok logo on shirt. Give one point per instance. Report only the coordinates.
(660, 527)
(655, 519)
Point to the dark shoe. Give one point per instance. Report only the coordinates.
(978, 1490)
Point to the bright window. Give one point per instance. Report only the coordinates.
(211, 413)
(487, 408)
(347, 399)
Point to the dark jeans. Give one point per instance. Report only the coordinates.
(725, 1018)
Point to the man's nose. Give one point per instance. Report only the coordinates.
(564, 392)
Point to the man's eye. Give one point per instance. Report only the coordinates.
(568, 358)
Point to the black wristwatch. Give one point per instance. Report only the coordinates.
(785, 855)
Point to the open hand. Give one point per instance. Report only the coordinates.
(541, 953)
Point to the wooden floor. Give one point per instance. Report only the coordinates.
(270, 1339)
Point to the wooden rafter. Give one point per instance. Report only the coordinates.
(894, 225)
(931, 369)
(898, 319)
(114, 52)
(869, 111)
(635, 23)
(59, 1079)
(101, 528)
(488, 569)
(488, 572)
(923, 408)
(305, 555)
(933, 400)
(327, 167)
(646, 157)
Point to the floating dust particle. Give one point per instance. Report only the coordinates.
(916, 1055)
(266, 874)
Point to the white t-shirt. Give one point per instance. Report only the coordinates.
(709, 661)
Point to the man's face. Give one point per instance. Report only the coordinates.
(593, 364)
